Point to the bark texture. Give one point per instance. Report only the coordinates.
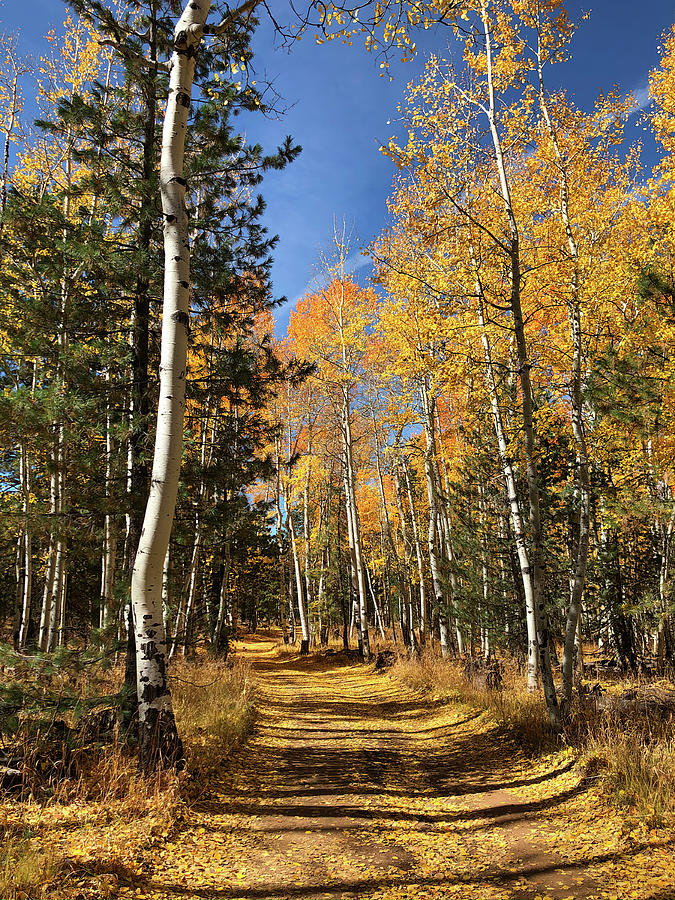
(159, 739)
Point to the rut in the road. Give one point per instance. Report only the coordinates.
(352, 786)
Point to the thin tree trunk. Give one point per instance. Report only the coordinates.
(302, 609)
(418, 547)
(378, 615)
(354, 523)
(512, 494)
(580, 559)
(159, 739)
(432, 494)
(109, 538)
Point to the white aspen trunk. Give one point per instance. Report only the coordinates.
(664, 579)
(178, 626)
(302, 610)
(579, 646)
(280, 546)
(158, 736)
(26, 586)
(192, 582)
(56, 598)
(416, 542)
(222, 599)
(305, 524)
(45, 612)
(109, 537)
(166, 588)
(378, 615)
(527, 419)
(444, 514)
(127, 549)
(432, 494)
(512, 495)
(59, 565)
(485, 637)
(61, 630)
(321, 593)
(406, 587)
(50, 614)
(27, 589)
(13, 109)
(299, 584)
(389, 545)
(197, 540)
(580, 559)
(353, 594)
(291, 611)
(353, 520)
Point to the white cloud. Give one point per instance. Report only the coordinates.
(642, 97)
(353, 263)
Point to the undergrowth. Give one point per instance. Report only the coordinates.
(632, 758)
(102, 813)
(636, 767)
(513, 707)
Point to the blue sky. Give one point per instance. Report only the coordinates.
(339, 108)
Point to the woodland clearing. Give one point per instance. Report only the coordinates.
(354, 786)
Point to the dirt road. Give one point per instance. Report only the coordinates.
(354, 787)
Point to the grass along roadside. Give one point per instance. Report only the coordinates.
(86, 838)
(632, 758)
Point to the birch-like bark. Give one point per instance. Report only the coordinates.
(353, 577)
(664, 579)
(418, 546)
(434, 513)
(405, 592)
(109, 538)
(166, 588)
(204, 461)
(445, 520)
(527, 417)
(305, 523)
(157, 730)
(580, 558)
(485, 635)
(14, 111)
(222, 599)
(192, 584)
(56, 589)
(353, 518)
(376, 606)
(45, 611)
(25, 556)
(280, 546)
(299, 582)
(510, 484)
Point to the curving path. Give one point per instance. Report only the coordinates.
(353, 787)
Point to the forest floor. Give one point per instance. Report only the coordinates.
(351, 786)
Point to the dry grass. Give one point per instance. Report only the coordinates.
(635, 762)
(25, 871)
(634, 758)
(511, 707)
(214, 703)
(103, 817)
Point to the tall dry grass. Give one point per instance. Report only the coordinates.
(635, 763)
(95, 823)
(214, 704)
(512, 707)
(632, 757)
